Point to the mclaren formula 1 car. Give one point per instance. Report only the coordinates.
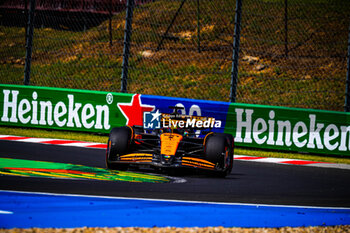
(171, 146)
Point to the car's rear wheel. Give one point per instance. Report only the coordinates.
(219, 150)
(118, 144)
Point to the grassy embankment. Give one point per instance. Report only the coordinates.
(313, 76)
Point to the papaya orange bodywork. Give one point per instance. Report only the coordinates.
(136, 157)
(169, 143)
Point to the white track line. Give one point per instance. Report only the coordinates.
(5, 212)
(173, 200)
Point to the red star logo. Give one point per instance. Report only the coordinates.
(133, 111)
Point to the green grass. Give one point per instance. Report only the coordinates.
(85, 60)
(11, 74)
(89, 137)
(84, 71)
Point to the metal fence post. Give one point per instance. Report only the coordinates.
(127, 38)
(347, 94)
(198, 28)
(286, 28)
(110, 15)
(29, 43)
(235, 56)
(26, 19)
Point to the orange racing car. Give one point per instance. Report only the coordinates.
(171, 146)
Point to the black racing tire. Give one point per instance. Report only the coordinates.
(231, 143)
(219, 150)
(118, 144)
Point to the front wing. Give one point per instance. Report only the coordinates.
(165, 161)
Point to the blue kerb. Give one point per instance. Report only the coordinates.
(66, 211)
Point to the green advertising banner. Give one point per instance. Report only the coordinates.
(257, 126)
(58, 108)
(293, 129)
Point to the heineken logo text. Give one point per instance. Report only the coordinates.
(310, 134)
(36, 112)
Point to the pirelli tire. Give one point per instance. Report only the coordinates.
(219, 150)
(119, 142)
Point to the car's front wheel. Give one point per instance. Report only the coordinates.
(219, 150)
(118, 144)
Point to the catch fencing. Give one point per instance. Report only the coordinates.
(291, 53)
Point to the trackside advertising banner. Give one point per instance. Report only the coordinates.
(293, 129)
(255, 126)
(56, 108)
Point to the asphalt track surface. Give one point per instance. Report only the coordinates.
(249, 182)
